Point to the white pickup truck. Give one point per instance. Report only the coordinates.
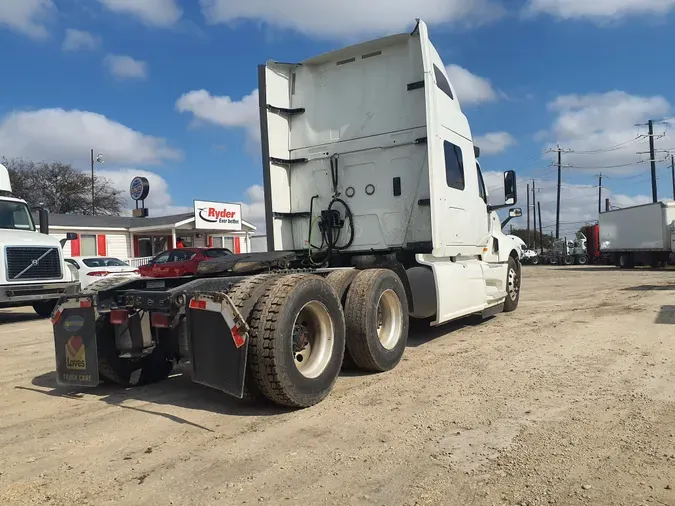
(32, 268)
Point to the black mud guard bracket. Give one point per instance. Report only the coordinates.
(218, 336)
(74, 323)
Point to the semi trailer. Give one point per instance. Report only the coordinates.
(376, 214)
(638, 235)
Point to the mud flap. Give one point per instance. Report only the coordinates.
(218, 340)
(74, 321)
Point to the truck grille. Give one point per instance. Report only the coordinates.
(32, 263)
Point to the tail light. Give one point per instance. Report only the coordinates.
(160, 320)
(136, 271)
(98, 273)
(119, 316)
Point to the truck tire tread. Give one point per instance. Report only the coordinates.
(240, 294)
(340, 281)
(270, 376)
(362, 340)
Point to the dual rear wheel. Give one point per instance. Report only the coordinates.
(300, 333)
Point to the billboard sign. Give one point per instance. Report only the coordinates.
(217, 216)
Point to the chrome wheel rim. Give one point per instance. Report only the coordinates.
(313, 339)
(389, 319)
(513, 285)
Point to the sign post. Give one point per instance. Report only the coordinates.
(139, 190)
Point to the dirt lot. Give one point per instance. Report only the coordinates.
(570, 400)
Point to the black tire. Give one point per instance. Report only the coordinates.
(340, 281)
(240, 295)
(105, 284)
(583, 260)
(272, 358)
(128, 372)
(513, 279)
(534, 260)
(626, 261)
(44, 308)
(568, 260)
(362, 311)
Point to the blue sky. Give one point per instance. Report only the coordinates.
(164, 87)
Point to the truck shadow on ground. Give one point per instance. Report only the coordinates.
(11, 317)
(180, 391)
(649, 288)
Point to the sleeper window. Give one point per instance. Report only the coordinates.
(454, 166)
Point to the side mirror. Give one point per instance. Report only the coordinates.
(70, 236)
(513, 213)
(510, 190)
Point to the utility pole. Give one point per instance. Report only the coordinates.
(534, 203)
(529, 239)
(652, 159)
(672, 168)
(541, 233)
(560, 151)
(600, 194)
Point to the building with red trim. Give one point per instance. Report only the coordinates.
(138, 239)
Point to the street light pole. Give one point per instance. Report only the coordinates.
(93, 203)
(98, 159)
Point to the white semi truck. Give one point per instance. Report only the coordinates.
(32, 268)
(377, 213)
(639, 235)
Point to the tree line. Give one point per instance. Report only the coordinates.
(62, 189)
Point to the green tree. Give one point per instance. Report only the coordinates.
(61, 188)
(522, 233)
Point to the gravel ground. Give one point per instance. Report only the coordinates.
(569, 400)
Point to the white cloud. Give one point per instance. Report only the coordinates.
(494, 142)
(68, 135)
(157, 13)
(600, 129)
(599, 9)
(349, 18)
(159, 201)
(27, 16)
(253, 211)
(125, 67)
(80, 40)
(223, 111)
(471, 89)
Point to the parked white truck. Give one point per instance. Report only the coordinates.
(639, 235)
(377, 213)
(32, 268)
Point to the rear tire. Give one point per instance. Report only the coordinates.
(377, 320)
(240, 294)
(297, 340)
(568, 260)
(44, 308)
(583, 260)
(513, 275)
(340, 282)
(534, 260)
(626, 261)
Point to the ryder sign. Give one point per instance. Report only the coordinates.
(217, 216)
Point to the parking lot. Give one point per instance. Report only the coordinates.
(570, 400)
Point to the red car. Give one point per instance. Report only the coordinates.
(180, 262)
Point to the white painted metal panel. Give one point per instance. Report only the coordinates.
(639, 228)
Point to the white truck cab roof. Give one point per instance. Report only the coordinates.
(5, 183)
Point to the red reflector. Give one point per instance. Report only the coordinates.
(238, 339)
(197, 304)
(56, 317)
(119, 316)
(160, 320)
(85, 303)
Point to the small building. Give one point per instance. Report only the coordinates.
(139, 239)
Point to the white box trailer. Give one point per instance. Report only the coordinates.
(638, 235)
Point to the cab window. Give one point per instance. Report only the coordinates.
(481, 185)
